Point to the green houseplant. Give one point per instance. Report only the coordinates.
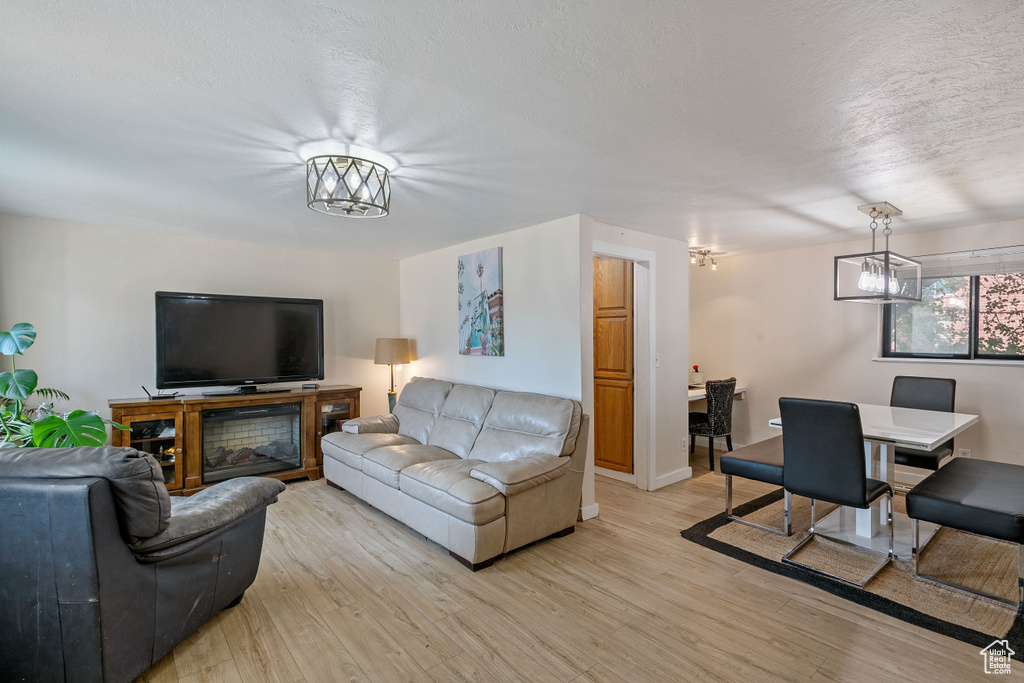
(22, 426)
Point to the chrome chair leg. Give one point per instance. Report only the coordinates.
(916, 559)
(728, 495)
(1020, 577)
(787, 513)
(788, 523)
(915, 545)
(889, 555)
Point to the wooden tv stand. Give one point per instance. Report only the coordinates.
(172, 429)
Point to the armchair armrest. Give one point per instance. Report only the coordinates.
(208, 513)
(522, 474)
(372, 424)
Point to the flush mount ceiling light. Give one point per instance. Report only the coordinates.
(698, 256)
(344, 180)
(877, 277)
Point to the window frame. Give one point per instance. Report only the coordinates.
(974, 318)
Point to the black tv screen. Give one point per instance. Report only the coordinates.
(217, 339)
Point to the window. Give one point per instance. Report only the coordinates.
(959, 316)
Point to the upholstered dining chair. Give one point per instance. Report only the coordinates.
(718, 420)
(824, 449)
(923, 393)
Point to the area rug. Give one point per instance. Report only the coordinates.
(981, 563)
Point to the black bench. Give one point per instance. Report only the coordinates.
(977, 496)
(761, 461)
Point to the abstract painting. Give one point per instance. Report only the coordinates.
(481, 310)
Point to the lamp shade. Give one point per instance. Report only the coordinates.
(392, 352)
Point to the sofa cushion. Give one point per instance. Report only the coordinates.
(521, 424)
(385, 464)
(418, 406)
(349, 448)
(141, 499)
(447, 486)
(461, 417)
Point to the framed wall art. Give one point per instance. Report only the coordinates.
(481, 309)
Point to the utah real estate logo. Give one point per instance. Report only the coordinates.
(997, 657)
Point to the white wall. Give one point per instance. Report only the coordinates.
(541, 299)
(88, 289)
(769, 319)
(669, 297)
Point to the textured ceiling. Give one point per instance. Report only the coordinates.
(738, 126)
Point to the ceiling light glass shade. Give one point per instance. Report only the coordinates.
(877, 277)
(347, 186)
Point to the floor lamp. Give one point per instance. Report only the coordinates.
(392, 352)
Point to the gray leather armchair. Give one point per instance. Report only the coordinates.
(102, 573)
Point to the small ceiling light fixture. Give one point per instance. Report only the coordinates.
(698, 256)
(343, 179)
(877, 277)
(347, 186)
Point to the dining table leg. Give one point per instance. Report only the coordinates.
(869, 520)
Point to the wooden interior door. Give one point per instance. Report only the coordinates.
(613, 364)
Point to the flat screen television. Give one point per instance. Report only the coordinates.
(207, 340)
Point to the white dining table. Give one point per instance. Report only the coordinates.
(886, 427)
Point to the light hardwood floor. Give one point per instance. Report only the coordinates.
(344, 593)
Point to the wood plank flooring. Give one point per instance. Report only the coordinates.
(345, 593)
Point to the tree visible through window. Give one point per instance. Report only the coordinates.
(1001, 315)
(960, 317)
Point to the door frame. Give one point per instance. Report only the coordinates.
(644, 362)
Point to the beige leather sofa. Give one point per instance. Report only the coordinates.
(480, 471)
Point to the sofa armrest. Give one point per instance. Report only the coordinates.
(208, 513)
(372, 424)
(522, 474)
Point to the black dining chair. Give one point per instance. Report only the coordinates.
(718, 420)
(923, 393)
(823, 444)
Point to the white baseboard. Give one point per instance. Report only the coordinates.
(588, 512)
(672, 477)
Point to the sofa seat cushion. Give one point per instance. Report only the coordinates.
(385, 464)
(349, 448)
(448, 486)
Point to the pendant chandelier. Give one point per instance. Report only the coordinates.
(877, 277)
(347, 186)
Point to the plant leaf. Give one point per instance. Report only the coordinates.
(21, 336)
(18, 385)
(81, 428)
(52, 394)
